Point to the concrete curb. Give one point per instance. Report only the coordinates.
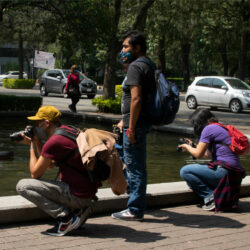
(17, 209)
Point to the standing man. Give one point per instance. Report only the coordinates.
(67, 200)
(136, 85)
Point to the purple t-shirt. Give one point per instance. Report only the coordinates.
(214, 134)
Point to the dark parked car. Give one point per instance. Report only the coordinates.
(54, 81)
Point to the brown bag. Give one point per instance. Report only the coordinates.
(92, 142)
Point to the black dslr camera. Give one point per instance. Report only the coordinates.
(18, 137)
(119, 139)
(184, 141)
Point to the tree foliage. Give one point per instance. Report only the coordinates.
(185, 37)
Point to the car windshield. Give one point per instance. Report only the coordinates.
(237, 84)
(6, 73)
(66, 72)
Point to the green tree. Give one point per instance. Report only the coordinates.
(28, 27)
(114, 44)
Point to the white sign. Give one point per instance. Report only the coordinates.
(44, 60)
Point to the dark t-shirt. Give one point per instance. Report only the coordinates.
(57, 148)
(138, 74)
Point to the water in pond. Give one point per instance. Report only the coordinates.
(164, 162)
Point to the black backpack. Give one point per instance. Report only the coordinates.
(101, 170)
(163, 102)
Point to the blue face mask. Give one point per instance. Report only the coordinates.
(126, 57)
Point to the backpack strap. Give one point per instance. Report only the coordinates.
(156, 74)
(147, 61)
(71, 134)
(223, 126)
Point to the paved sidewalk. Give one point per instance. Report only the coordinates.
(184, 227)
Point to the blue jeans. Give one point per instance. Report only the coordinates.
(134, 156)
(202, 179)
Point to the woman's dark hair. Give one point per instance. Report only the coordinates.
(136, 38)
(200, 119)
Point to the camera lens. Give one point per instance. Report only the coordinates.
(16, 136)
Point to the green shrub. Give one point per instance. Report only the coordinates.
(19, 83)
(20, 103)
(110, 105)
(118, 91)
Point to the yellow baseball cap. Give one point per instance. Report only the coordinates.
(46, 113)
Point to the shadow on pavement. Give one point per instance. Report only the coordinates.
(211, 220)
(103, 231)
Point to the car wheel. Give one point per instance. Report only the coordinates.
(91, 96)
(191, 102)
(64, 95)
(43, 91)
(235, 106)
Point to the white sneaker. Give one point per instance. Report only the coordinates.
(209, 207)
(63, 227)
(126, 215)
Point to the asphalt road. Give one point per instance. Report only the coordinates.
(241, 120)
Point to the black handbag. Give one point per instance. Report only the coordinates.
(73, 89)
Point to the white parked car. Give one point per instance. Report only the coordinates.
(11, 75)
(218, 91)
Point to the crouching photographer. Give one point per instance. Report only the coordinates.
(217, 182)
(68, 200)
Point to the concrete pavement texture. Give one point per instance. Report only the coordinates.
(182, 227)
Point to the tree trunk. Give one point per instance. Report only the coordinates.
(20, 54)
(1, 12)
(109, 75)
(161, 54)
(233, 70)
(185, 50)
(140, 21)
(242, 55)
(29, 73)
(113, 48)
(223, 52)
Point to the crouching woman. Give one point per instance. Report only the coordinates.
(218, 182)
